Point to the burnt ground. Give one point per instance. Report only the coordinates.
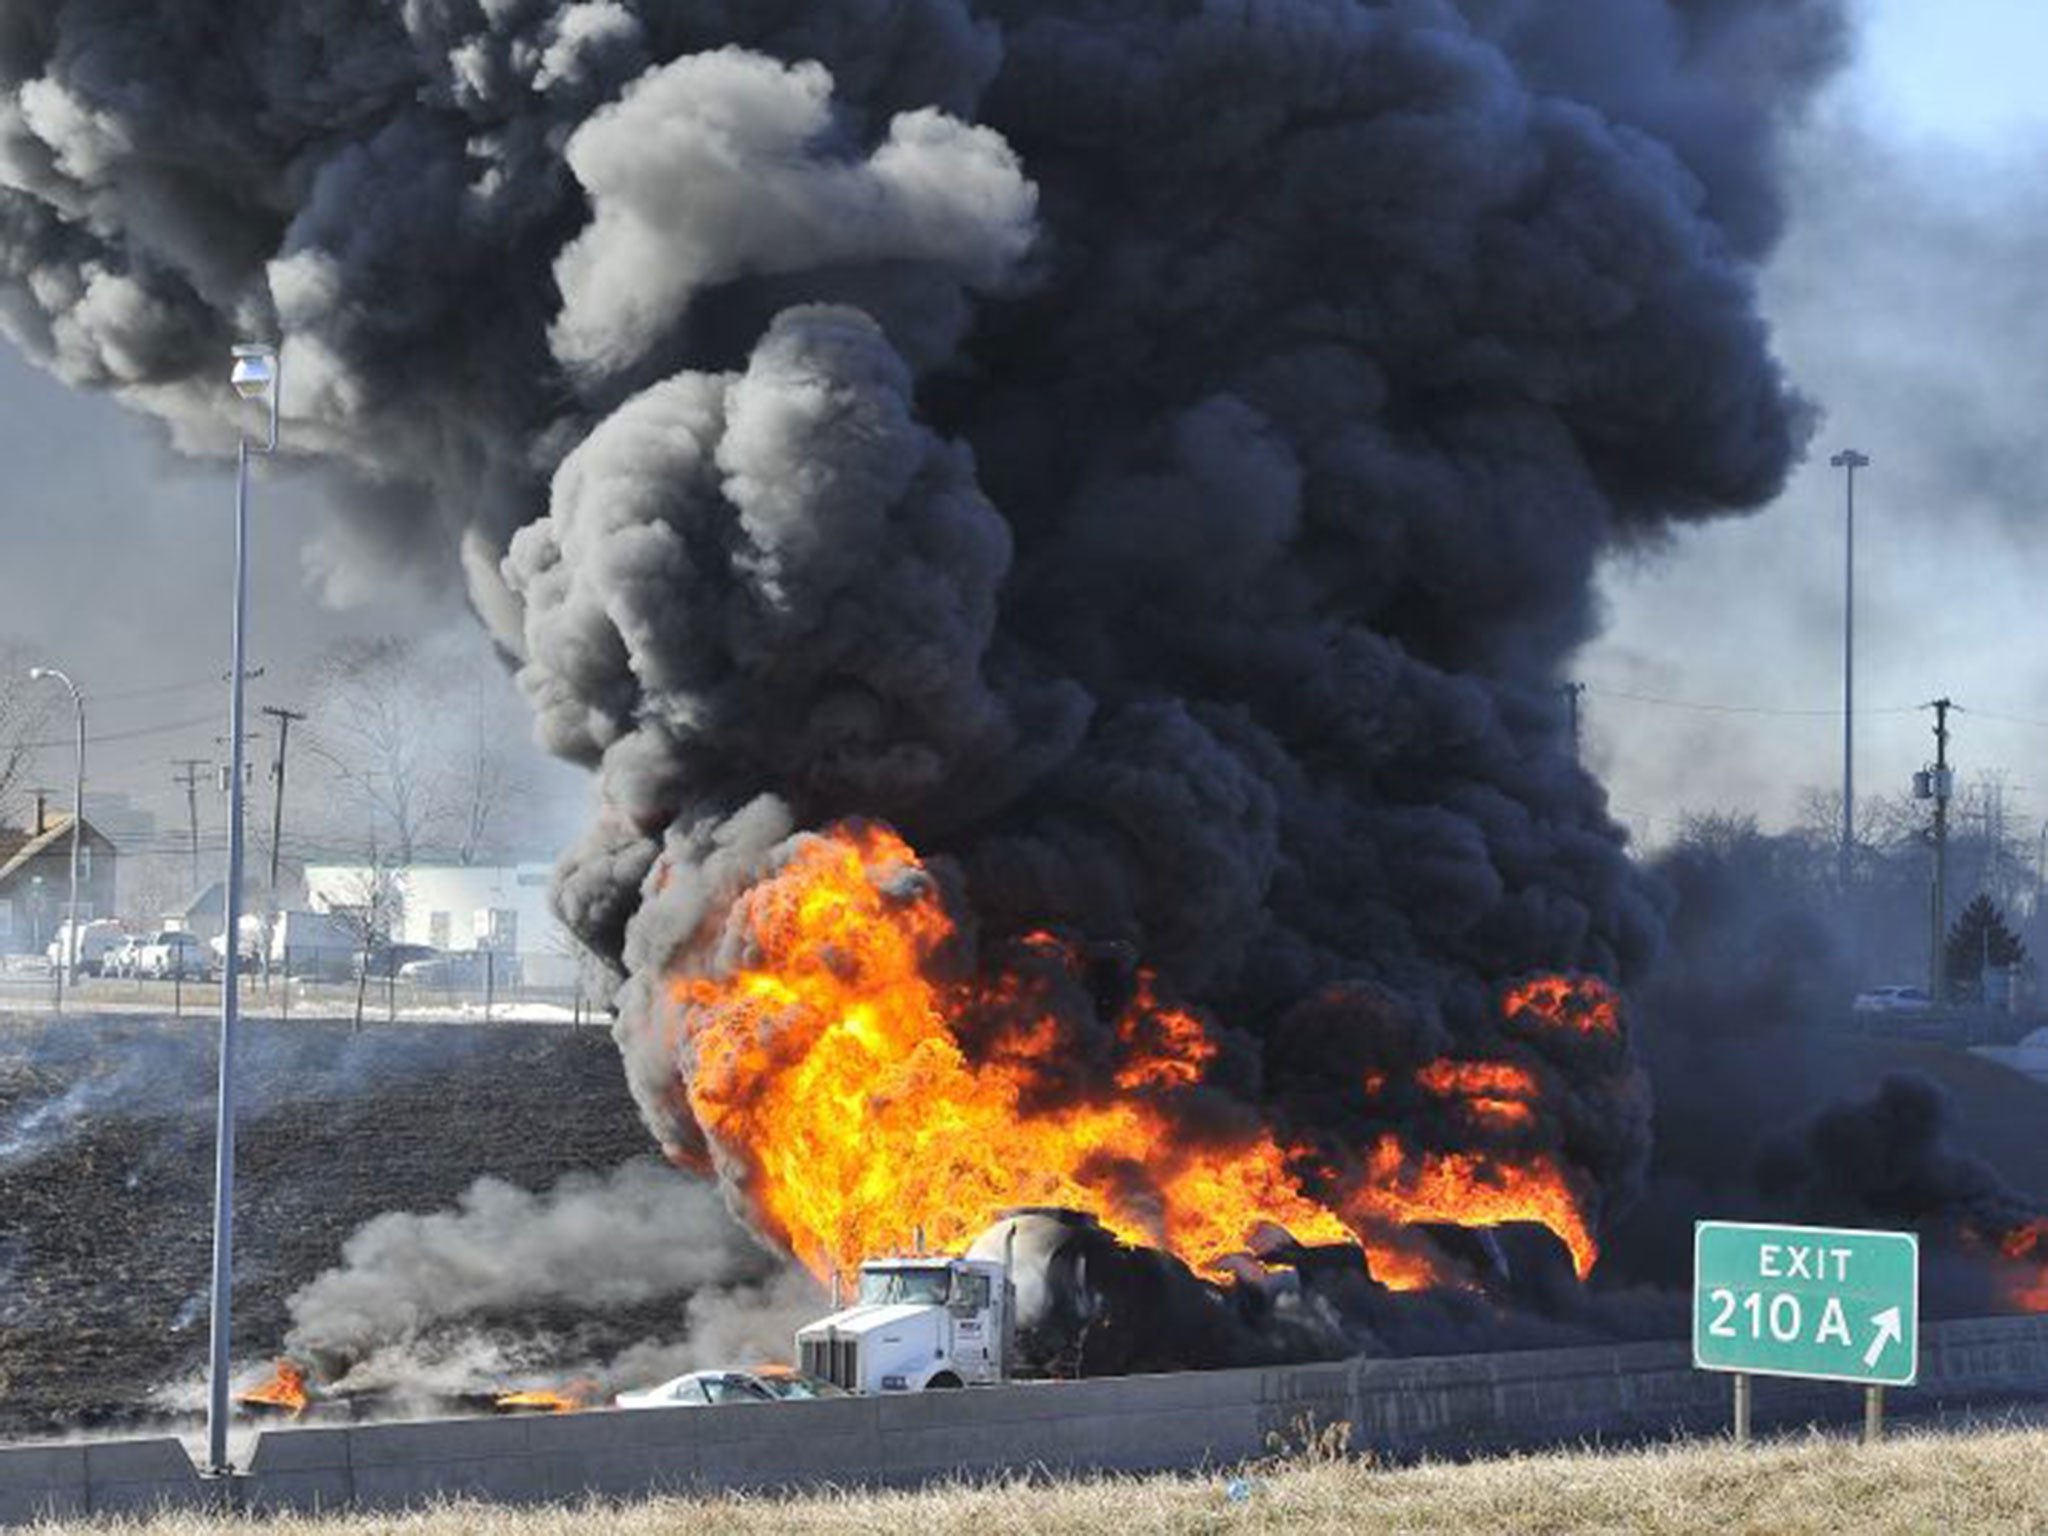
(106, 1177)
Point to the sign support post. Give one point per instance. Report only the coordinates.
(1819, 1303)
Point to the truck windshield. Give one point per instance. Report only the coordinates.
(889, 1287)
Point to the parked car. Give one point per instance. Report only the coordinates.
(1892, 1000)
(124, 958)
(465, 968)
(252, 945)
(390, 959)
(712, 1389)
(95, 940)
(174, 952)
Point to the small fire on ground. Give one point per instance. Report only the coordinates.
(283, 1392)
(2027, 1247)
(570, 1399)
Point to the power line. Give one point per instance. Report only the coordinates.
(152, 690)
(130, 735)
(1722, 707)
(1703, 706)
(1986, 714)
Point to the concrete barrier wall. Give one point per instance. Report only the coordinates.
(1450, 1406)
(40, 1482)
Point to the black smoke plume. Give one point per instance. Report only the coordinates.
(1153, 453)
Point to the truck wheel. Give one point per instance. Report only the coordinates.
(944, 1381)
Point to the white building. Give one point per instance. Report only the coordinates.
(500, 907)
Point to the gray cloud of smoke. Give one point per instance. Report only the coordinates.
(638, 1234)
(1156, 455)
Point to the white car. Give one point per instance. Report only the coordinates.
(252, 946)
(124, 958)
(469, 969)
(175, 953)
(712, 1389)
(1892, 1000)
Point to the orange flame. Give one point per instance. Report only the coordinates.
(830, 1081)
(1494, 1091)
(1584, 1003)
(571, 1400)
(285, 1389)
(1166, 1048)
(2028, 1244)
(1473, 1189)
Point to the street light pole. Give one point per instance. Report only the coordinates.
(255, 376)
(1849, 461)
(68, 959)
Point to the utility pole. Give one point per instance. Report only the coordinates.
(1939, 785)
(1849, 461)
(1571, 704)
(191, 779)
(284, 718)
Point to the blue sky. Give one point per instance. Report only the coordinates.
(1968, 72)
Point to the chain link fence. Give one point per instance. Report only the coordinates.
(321, 984)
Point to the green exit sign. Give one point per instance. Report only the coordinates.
(1823, 1302)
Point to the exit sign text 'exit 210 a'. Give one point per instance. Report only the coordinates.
(1837, 1305)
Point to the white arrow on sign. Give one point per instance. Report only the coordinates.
(1889, 1331)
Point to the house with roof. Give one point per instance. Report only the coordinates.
(35, 874)
(204, 913)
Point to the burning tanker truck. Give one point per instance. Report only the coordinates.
(1050, 1294)
(853, 1080)
(1042, 1294)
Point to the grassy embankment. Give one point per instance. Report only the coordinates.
(1993, 1480)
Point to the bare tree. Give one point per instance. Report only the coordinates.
(414, 739)
(371, 728)
(1883, 823)
(484, 783)
(27, 709)
(370, 902)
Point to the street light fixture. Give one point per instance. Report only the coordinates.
(254, 374)
(255, 377)
(67, 959)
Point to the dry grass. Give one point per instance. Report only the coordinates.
(1994, 1480)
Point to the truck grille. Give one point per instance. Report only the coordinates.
(835, 1359)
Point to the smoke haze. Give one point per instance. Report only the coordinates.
(1907, 294)
(1156, 457)
(637, 1235)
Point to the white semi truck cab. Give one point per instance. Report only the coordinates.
(918, 1323)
